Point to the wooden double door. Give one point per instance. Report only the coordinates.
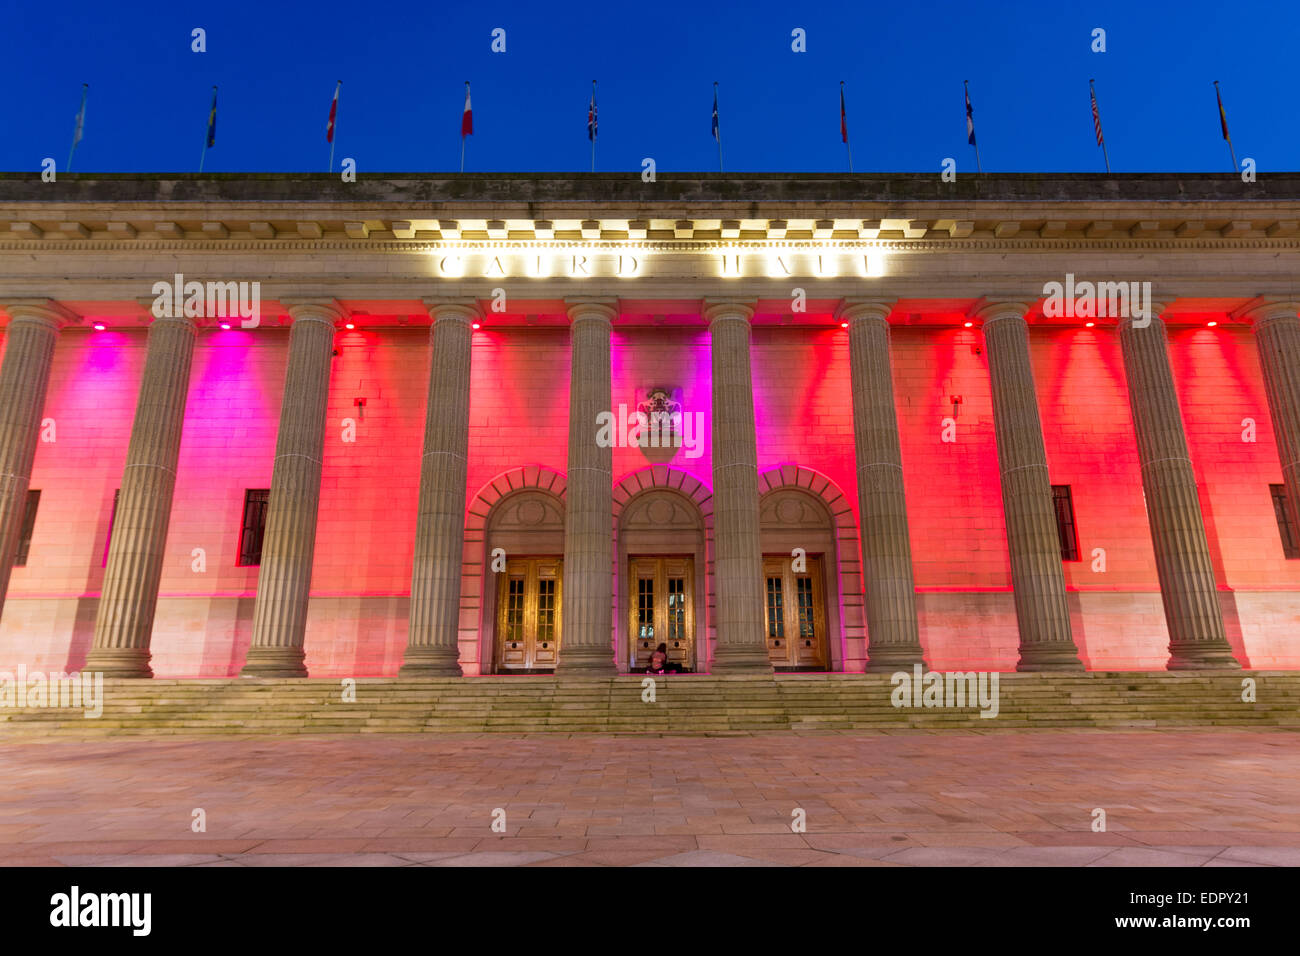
(530, 598)
(795, 612)
(661, 599)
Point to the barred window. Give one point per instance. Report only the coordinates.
(29, 525)
(1063, 502)
(256, 502)
(1286, 523)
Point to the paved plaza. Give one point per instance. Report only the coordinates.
(1171, 798)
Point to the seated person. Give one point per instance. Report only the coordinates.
(658, 660)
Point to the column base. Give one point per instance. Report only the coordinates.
(118, 662)
(585, 662)
(1201, 655)
(1049, 657)
(425, 661)
(741, 659)
(274, 662)
(889, 659)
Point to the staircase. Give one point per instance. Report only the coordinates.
(683, 705)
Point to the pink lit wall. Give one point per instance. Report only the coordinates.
(519, 418)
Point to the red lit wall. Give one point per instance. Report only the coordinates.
(519, 417)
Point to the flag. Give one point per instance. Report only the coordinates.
(970, 120)
(591, 116)
(715, 114)
(212, 120)
(467, 118)
(1223, 117)
(1096, 117)
(334, 109)
(844, 120)
(81, 119)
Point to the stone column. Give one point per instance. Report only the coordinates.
(1277, 335)
(893, 636)
(586, 644)
(432, 649)
(289, 544)
(33, 326)
(1043, 616)
(1187, 588)
(139, 537)
(737, 552)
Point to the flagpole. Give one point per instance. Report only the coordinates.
(81, 118)
(1092, 89)
(594, 126)
(715, 104)
(1223, 119)
(847, 144)
(335, 126)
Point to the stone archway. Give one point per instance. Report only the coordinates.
(664, 511)
(801, 508)
(522, 512)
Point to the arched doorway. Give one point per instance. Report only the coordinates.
(801, 577)
(662, 564)
(523, 582)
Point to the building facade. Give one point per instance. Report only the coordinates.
(280, 426)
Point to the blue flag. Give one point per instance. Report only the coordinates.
(715, 114)
(212, 120)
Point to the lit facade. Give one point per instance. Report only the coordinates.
(886, 445)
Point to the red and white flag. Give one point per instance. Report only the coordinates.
(467, 118)
(334, 112)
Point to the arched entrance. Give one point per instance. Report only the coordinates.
(662, 562)
(522, 585)
(802, 587)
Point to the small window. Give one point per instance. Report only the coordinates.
(256, 501)
(112, 517)
(1065, 530)
(1286, 522)
(29, 525)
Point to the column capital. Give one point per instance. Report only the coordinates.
(591, 307)
(1267, 308)
(318, 310)
(714, 309)
(42, 310)
(990, 308)
(465, 311)
(866, 308)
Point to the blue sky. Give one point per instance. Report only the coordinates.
(403, 67)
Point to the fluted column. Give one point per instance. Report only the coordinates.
(284, 580)
(432, 649)
(1277, 335)
(892, 633)
(24, 376)
(586, 644)
(135, 554)
(1187, 588)
(737, 551)
(1042, 613)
